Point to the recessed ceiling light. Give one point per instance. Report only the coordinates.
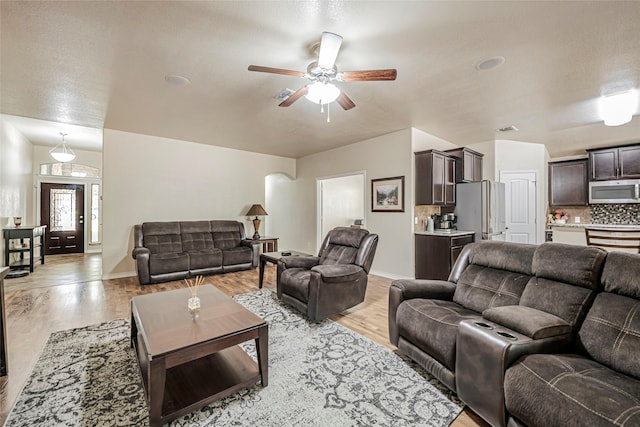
(490, 64)
(177, 80)
(511, 128)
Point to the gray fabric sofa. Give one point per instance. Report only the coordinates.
(175, 250)
(529, 335)
(333, 281)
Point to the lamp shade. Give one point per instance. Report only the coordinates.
(256, 210)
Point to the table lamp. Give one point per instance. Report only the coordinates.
(256, 210)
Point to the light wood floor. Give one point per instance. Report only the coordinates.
(67, 292)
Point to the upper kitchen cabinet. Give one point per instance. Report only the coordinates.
(435, 178)
(568, 185)
(468, 164)
(614, 163)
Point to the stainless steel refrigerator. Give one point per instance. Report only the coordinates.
(480, 208)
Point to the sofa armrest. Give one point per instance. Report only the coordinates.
(255, 248)
(528, 321)
(484, 351)
(307, 262)
(402, 290)
(140, 251)
(142, 256)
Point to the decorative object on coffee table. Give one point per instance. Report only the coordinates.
(193, 303)
(256, 210)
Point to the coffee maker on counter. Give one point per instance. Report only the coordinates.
(444, 222)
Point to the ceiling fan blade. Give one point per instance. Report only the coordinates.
(294, 96)
(276, 71)
(329, 47)
(344, 101)
(368, 75)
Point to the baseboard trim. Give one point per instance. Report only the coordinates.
(118, 275)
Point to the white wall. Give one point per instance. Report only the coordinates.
(280, 204)
(423, 141)
(147, 178)
(16, 179)
(524, 156)
(342, 200)
(385, 156)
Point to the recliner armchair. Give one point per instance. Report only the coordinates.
(333, 281)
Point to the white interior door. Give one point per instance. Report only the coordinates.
(520, 204)
(341, 202)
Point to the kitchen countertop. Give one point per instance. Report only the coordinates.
(445, 233)
(608, 226)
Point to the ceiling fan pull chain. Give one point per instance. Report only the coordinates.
(328, 113)
(321, 106)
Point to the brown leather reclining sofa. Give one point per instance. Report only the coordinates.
(529, 335)
(166, 251)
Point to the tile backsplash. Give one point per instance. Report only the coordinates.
(615, 213)
(422, 212)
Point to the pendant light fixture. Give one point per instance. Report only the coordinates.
(62, 152)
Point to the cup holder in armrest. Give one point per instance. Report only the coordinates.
(483, 325)
(507, 335)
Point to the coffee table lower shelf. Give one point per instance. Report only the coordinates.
(196, 384)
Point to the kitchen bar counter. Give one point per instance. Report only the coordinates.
(452, 233)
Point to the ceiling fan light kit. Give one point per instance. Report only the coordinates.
(323, 72)
(62, 152)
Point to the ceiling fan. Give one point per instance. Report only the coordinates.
(323, 72)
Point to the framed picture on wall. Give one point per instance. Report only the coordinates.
(387, 194)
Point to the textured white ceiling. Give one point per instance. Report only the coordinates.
(102, 64)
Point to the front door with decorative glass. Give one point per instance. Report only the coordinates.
(62, 211)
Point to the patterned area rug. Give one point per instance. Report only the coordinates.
(320, 374)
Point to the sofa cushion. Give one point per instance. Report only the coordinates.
(206, 258)
(528, 321)
(568, 302)
(556, 390)
(226, 239)
(575, 265)
(338, 254)
(514, 257)
(339, 272)
(432, 326)
(295, 282)
(197, 241)
(168, 263)
(480, 288)
(237, 255)
(162, 237)
(621, 273)
(610, 333)
(347, 236)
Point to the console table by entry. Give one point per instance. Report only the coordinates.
(23, 240)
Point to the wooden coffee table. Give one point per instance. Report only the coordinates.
(188, 362)
(273, 258)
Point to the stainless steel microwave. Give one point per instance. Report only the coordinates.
(627, 191)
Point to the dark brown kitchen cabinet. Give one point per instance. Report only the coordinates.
(436, 254)
(468, 164)
(614, 163)
(435, 178)
(568, 183)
